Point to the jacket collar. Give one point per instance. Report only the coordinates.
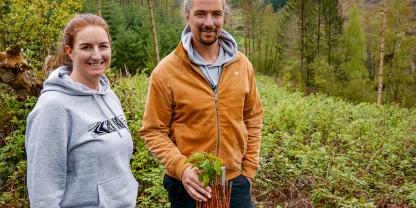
(181, 53)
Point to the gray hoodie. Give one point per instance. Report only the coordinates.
(78, 147)
(212, 72)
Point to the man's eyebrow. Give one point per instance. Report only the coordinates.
(201, 10)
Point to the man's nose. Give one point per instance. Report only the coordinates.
(209, 20)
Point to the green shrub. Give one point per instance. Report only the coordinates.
(326, 152)
(146, 169)
(316, 151)
(13, 115)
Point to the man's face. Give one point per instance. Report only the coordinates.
(206, 19)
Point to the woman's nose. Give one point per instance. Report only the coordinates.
(95, 54)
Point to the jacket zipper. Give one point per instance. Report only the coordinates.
(217, 147)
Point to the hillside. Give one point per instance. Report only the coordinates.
(317, 151)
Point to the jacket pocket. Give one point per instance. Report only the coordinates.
(120, 192)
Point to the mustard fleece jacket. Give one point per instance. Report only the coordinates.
(183, 115)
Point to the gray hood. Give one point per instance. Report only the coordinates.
(60, 81)
(212, 72)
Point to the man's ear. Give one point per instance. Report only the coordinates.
(68, 51)
(186, 15)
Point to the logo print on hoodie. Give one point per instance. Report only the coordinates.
(105, 127)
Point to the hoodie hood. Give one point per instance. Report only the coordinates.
(60, 81)
(227, 53)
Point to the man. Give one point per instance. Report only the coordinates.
(203, 97)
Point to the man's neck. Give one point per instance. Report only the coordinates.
(208, 53)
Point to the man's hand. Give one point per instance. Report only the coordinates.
(193, 186)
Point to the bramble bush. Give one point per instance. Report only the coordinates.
(13, 115)
(320, 151)
(316, 151)
(146, 169)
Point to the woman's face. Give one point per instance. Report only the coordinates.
(90, 55)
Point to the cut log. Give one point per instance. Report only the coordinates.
(15, 72)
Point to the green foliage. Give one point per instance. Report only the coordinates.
(132, 48)
(400, 80)
(316, 150)
(352, 52)
(36, 27)
(325, 78)
(12, 153)
(277, 4)
(326, 152)
(209, 166)
(146, 169)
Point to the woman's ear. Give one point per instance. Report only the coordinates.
(68, 51)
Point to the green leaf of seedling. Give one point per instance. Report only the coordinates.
(217, 167)
(205, 164)
(205, 179)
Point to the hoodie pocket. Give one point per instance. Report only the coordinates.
(119, 192)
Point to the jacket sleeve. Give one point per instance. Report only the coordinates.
(252, 115)
(46, 149)
(155, 128)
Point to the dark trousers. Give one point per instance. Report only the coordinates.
(179, 197)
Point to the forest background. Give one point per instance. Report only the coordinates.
(325, 142)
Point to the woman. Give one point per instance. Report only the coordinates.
(77, 140)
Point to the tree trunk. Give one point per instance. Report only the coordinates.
(260, 26)
(302, 39)
(99, 8)
(381, 70)
(265, 62)
(318, 29)
(154, 33)
(329, 36)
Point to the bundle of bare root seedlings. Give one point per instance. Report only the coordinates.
(220, 194)
(212, 173)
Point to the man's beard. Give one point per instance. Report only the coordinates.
(207, 29)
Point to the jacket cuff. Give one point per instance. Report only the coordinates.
(179, 168)
(248, 171)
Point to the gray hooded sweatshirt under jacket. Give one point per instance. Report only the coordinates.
(212, 72)
(78, 147)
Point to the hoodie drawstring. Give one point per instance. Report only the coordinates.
(112, 111)
(109, 119)
(209, 78)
